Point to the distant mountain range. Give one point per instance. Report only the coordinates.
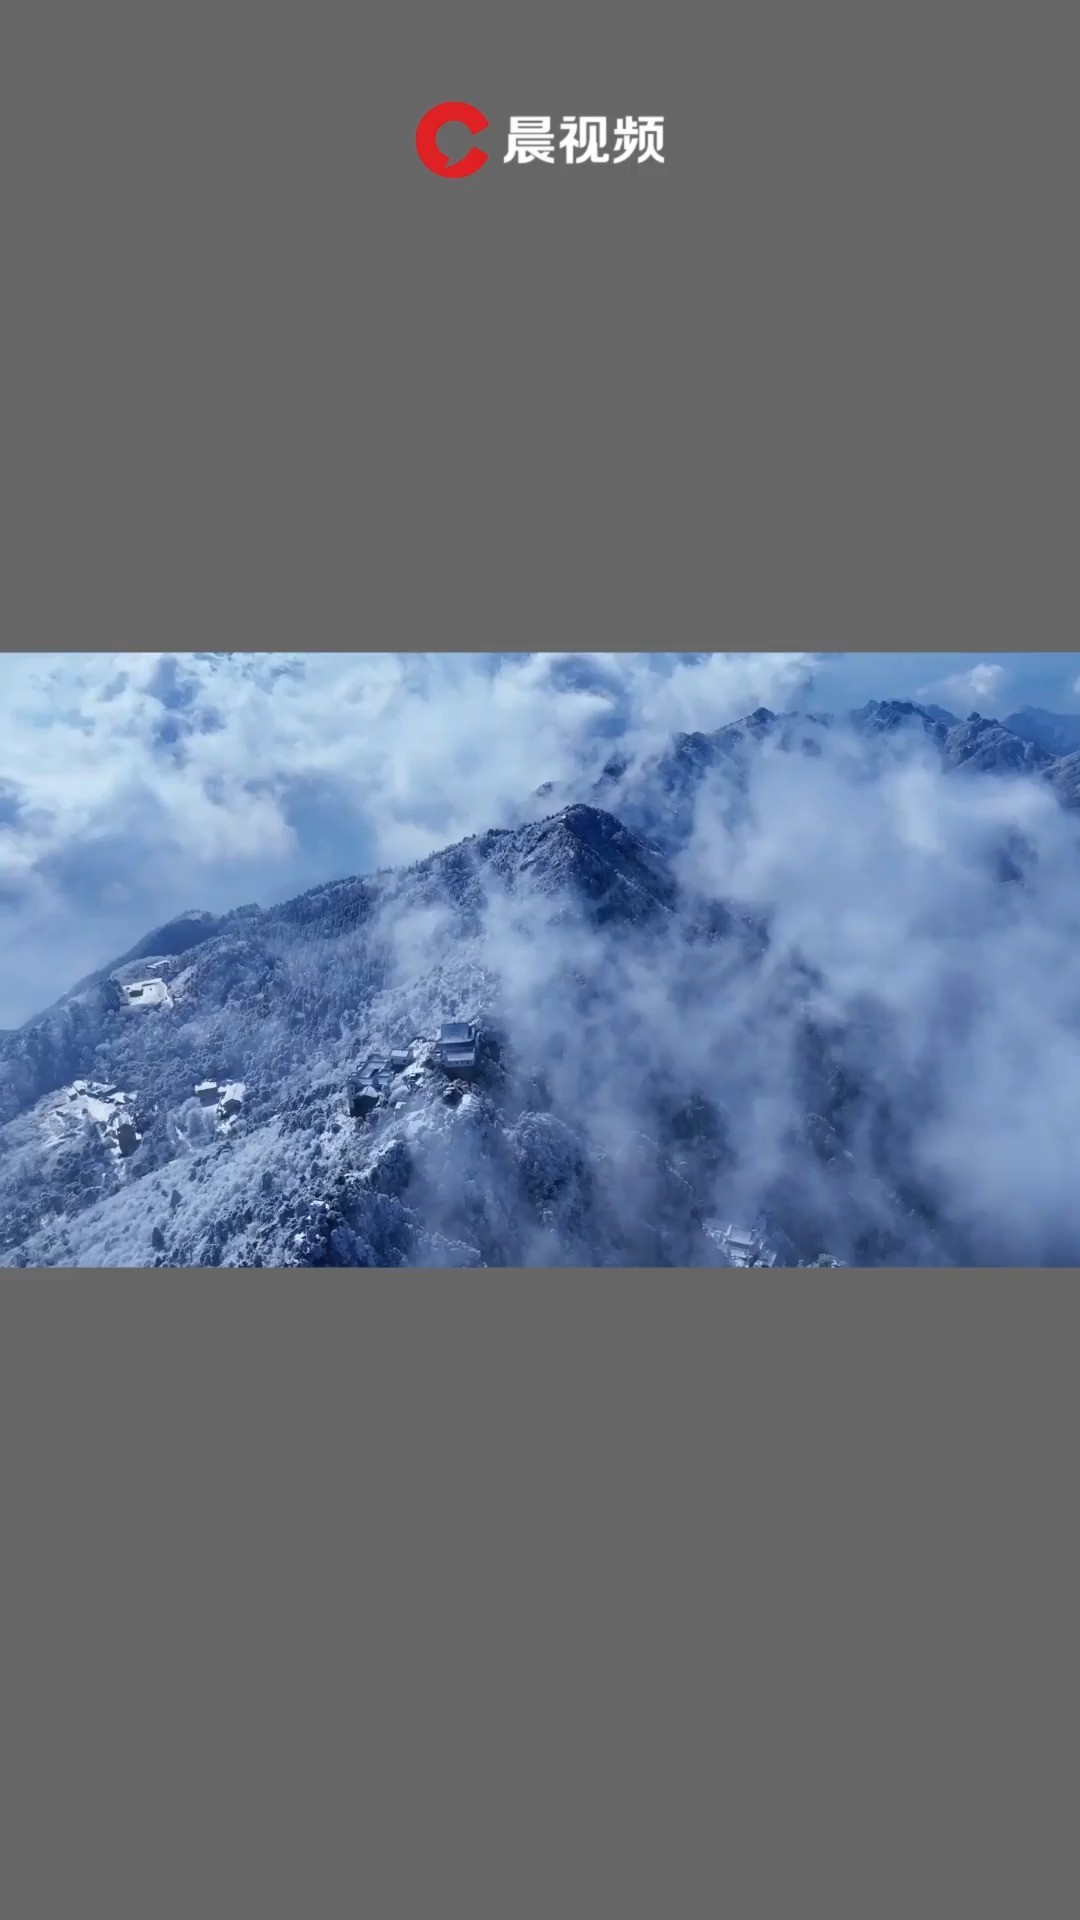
(657, 795)
(623, 1122)
(1057, 733)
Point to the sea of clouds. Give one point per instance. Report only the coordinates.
(134, 787)
(932, 916)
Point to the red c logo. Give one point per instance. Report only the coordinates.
(429, 149)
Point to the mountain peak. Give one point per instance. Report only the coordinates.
(1057, 733)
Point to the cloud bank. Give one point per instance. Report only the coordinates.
(927, 924)
(860, 1011)
(133, 787)
(975, 688)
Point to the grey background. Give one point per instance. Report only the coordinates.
(269, 381)
(485, 1592)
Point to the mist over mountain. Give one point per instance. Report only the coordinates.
(1057, 733)
(810, 975)
(657, 792)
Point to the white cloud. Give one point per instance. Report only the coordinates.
(892, 895)
(198, 779)
(977, 686)
(955, 992)
(429, 745)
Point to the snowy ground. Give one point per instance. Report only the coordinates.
(106, 1107)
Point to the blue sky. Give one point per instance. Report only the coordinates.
(1003, 682)
(135, 786)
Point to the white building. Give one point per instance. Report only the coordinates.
(742, 1246)
(145, 993)
(456, 1048)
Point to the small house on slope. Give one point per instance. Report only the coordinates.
(363, 1099)
(139, 994)
(456, 1049)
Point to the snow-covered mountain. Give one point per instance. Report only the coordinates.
(1058, 733)
(657, 795)
(281, 1008)
(678, 1078)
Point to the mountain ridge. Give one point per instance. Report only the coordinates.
(627, 1116)
(656, 794)
(284, 1005)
